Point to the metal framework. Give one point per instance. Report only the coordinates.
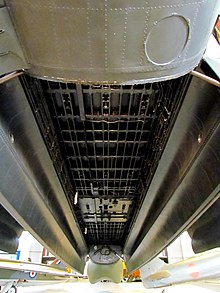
(107, 145)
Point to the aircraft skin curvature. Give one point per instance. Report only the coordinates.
(108, 147)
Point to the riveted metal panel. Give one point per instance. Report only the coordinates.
(113, 42)
(11, 54)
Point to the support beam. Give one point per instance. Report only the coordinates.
(10, 76)
(205, 78)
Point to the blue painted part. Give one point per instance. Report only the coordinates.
(18, 253)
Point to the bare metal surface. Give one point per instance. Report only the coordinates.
(113, 41)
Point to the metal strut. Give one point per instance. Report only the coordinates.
(205, 78)
(11, 75)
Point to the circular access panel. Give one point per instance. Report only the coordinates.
(167, 39)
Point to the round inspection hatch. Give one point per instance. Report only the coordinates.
(167, 39)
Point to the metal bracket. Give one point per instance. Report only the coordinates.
(11, 54)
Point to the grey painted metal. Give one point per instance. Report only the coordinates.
(113, 41)
(203, 266)
(2, 3)
(188, 173)
(11, 54)
(30, 189)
